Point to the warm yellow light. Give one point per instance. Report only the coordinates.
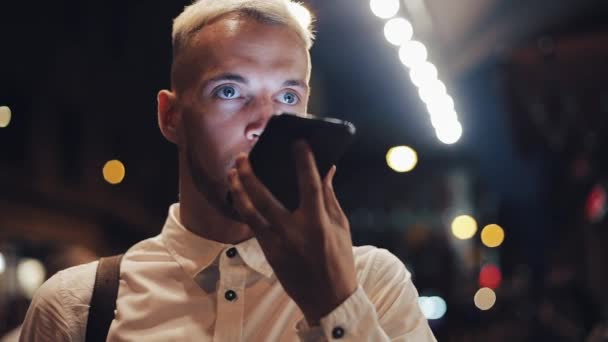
(5, 116)
(464, 227)
(485, 298)
(492, 235)
(114, 171)
(402, 158)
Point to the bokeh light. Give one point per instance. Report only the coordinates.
(449, 133)
(30, 275)
(423, 74)
(440, 103)
(443, 119)
(464, 227)
(492, 235)
(595, 206)
(384, 8)
(2, 263)
(401, 158)
(433, 307)
(5, 116)
(433, 92)
(490, 276)
(398, 31)
(485, 298)
(413, 53)
(114, 172)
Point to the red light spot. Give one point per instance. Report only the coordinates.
(490, 276)
(595, 208)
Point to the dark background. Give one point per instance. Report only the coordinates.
(529, 84)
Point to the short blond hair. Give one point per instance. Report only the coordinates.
(201, 12)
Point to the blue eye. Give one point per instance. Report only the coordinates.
(227, 92)
(289, 98)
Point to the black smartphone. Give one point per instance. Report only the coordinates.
(272, 157)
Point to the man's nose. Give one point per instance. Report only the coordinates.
(261, 111)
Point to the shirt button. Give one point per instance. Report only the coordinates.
(231, 252)
(230, 295)
(338, 332)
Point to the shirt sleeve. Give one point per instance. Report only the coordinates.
(45, 319)
(385, 309)
(60, 307)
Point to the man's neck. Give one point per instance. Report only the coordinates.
(211, 225)
(200, 217)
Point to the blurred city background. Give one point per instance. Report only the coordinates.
(479, 161)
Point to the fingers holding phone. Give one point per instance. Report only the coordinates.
(309, 247)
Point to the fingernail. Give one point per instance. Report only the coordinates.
(231, 176)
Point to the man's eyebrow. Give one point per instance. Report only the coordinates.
(295, 83)
(227, 77)
(240, 79)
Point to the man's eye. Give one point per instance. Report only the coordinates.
(227, 92)
(289, 98)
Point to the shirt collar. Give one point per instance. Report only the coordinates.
(254, 257)
(195, 253)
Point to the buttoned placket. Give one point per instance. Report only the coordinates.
(230, 297)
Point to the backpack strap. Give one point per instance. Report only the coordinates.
(103, 300)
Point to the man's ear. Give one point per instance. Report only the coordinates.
(169, 116)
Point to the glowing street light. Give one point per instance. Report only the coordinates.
(432, 92)
(398, 31)
(114, 172)
(449, 133)
(384, 9)
(490, 276)
(492, 235)
(464, 227)
(485, 298)
(444, 119)
(30, 275)
(413, 53)
(5, 116)
(401, 158)
(433, 307)
(423, 73)
(440, 103)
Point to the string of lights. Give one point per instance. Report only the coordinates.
(413, 54)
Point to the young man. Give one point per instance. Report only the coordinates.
(250, 271)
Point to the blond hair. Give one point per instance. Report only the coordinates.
(201, 12)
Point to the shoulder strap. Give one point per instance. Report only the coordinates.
(103, 300)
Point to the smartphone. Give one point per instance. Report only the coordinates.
(272, 157)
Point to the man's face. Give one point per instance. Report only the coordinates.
(245, 71)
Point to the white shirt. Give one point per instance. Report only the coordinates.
(172, 288)
(11, 336)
